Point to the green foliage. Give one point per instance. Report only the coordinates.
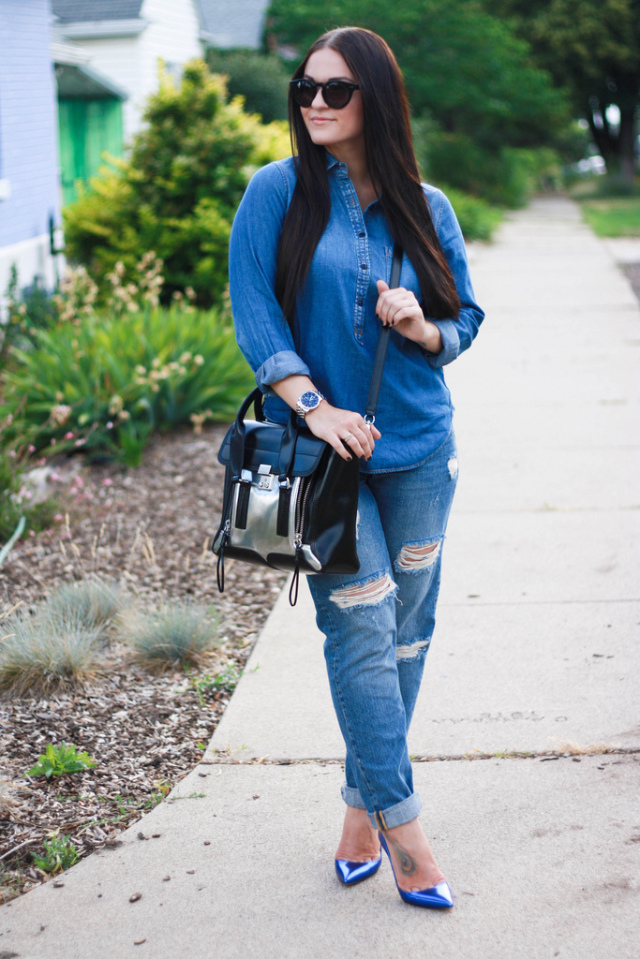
(478, 220)
(262, 79)
(61, 761)
(27, 310)
(462, 65)
(224, 681)
(592, 48)
(507, 177)
(44, 652)
(176, 633)
(617, 216)
(504, 177)
(178, 190)
(59, 854)
(104, 384)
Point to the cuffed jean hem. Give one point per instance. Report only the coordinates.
(397, 815)
(352, 797)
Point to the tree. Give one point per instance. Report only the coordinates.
(177, 192)
(258, 77)
(462, 65)
(592, 47)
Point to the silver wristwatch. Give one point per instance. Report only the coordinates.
(309, 401)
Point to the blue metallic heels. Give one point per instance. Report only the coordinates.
(349, 873)
(437, 897)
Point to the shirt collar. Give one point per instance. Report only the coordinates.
(334, 162)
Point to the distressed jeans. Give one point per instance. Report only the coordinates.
(378, 625)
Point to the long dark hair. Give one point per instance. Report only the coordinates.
(393, 169)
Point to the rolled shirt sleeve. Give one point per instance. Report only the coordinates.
(457, 335)
(262, 331)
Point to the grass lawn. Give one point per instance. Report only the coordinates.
(613, 216)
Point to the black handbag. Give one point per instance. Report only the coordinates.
(290, 501)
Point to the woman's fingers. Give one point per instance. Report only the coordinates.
(395, 305)
(347, 432)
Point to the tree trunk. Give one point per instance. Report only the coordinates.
(626, 146)
(617, 150)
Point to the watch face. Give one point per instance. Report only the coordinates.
(309, 400)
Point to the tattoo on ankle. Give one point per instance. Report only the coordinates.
(408, 865)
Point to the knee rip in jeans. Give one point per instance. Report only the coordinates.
(414, 557)
(412, 651)
(370, 593)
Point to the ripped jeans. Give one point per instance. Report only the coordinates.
(378, 624)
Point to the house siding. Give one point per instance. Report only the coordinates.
(28, 140)
(172, 35)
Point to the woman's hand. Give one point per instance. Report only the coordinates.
(348, 433)
(400, 309)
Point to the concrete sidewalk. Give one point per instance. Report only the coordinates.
(536, 651)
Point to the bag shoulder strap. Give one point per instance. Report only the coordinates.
(383, 343)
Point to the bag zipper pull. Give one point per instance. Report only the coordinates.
(295, 581)
(226, 535)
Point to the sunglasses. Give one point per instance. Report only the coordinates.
(335, 93)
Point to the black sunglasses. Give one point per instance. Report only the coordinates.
(335, 93)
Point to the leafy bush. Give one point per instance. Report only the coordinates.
(262, 79)
(178, 190)
(176, 633)
(61, 761)
(59, 854)
(478, 220)
(44, 652)
(500, 177)
(27, 310)
(107, 382)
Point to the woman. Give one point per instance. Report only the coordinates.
(310, 261)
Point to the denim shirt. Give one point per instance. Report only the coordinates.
(337, 329)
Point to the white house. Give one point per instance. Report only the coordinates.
(125, 39)
(73, 73)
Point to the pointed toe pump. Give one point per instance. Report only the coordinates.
(436, 897)
(349, 873)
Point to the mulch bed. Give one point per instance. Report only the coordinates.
(149, 528)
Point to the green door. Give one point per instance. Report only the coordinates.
(88, 128)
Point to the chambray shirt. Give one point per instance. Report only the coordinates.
(336, 331)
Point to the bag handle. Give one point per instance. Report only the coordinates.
(383, 343)
(237, 439)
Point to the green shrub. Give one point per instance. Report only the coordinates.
(28, 309)
(59, 854)
(61, 761)
(178, 190)
(502, 177)
(478, 220)
(176, 633)
(104, 384)
(44, 652)
(261, 78)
